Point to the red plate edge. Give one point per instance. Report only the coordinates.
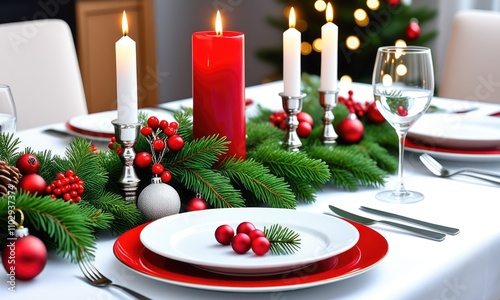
(88, 132)
(370, 249)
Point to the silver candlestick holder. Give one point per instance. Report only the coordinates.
(328, 100)
(292, 106)
(126, 135)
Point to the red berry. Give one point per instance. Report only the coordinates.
(158, 144)
(166, 176)
(153, 122)
(305, 117)
(402, 111)
(245, 227)
(163, 124)
(175, 142)
(261, 245)
(146, 131)
(157, 168)
(169, 131)
(69, 173)
(304, 129)
(27, 164)
(241, 243)
(196, 204)
(174, 125)
(256, 233)
(224, 234)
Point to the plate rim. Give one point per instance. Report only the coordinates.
(368, 238)
(234, 214)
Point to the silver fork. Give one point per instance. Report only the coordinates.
(437, 169)
(97, 279)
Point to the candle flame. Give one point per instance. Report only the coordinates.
(329, 12)
(218, 24)
(291, 18)
(124, 24)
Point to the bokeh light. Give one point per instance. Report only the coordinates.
(373, 4)
(320, 5)
(352, 42)
(317, 45)
(361, 17)
(305, 48)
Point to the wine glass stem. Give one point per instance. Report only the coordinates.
(400, 188)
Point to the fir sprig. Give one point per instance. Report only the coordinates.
(259, 182)
(9, 146)
(283, 240)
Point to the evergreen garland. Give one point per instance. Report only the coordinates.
(270, 175)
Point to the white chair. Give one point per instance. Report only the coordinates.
(39, 62)
(471, 68)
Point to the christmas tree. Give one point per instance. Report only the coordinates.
(364, 25)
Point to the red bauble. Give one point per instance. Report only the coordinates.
(224, 234)
(245, 227)
(175, 142)
(393, 2)
(32, 183)
(24, 258)
(256, 233)
(261, 245)
(196, 204)
(413, 30)
(350, 130)
(143, 159)
(305, 117)
(241, 243)
(374, 114)
(304, 129)
(27, 164)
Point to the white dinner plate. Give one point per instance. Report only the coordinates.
(189, 238)
(457, 131)
(98, 126)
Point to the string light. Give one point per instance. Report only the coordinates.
(320, 5)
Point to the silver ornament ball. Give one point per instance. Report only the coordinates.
(158, 200)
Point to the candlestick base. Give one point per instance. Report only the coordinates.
(126, 135)
(292, 106)
(328, 100)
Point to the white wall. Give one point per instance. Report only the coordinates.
(176, 20)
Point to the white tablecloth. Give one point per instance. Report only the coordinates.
(465, 266)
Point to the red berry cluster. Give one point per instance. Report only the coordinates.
(368, 109)
(67, 186)
(247, 237)
(162, 136)
(304, 128)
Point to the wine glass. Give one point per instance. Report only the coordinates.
(403, 85)
(8, 116)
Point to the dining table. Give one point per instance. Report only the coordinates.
(462, 266)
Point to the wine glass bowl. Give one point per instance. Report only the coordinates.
(403, 86)
(8, 116)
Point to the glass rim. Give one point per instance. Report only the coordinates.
(4, 86)
(393, 49)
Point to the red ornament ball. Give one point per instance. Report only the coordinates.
(196, 204)
(175, 142)
(27, 164)
(413, 30)
(261, 245)
(393, 2)
(374, 115)
(33, 184)
(143, 159)
(157, 169)
(245, 227)
(241, 243)
(305, 117)
(224, 234)
(304, 129)
(350, 130)
(166, 176)
(24, 258)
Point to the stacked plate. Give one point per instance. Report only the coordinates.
(182, 250)
(98, 127)
(456, 136)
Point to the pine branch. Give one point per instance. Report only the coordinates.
(283, 240)
(380, 155)
(199, 153)
(216, 189)
(98, 218)
(66, 225)
(262, 133)
(125, 214)
(8, 147)
(257, 179)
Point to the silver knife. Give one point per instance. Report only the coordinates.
(433, 235)
(441, 228)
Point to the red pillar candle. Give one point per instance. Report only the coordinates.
(219, 87)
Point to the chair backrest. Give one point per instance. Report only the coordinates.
(38, 61)
(471, 68)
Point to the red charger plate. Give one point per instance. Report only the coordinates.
(370, 249)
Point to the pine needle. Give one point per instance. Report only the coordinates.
(283, 240)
